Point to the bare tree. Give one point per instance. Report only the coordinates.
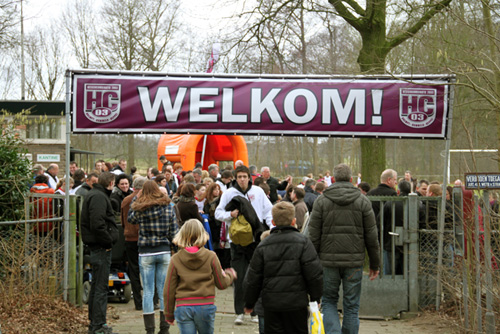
(7, 75)
(79, 20)
(370, 19)
(117, 41)
(137, 34)
(45, 64)
(9, 18)
(159, 24)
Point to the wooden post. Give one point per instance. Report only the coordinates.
(72, 279)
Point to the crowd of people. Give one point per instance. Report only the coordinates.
(304, 241)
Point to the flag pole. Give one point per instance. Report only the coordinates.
(214, 57)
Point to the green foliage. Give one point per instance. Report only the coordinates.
(15, 169)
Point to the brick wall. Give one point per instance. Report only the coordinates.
(60, 149)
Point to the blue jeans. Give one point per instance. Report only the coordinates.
(261, 324)
(153, 269)
(100, 259)
(195, 319)
(350, 278)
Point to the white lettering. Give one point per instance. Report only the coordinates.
(259, 105)
(196, 104)
(343, 111)
(311, 106)
(162, 98)
(493, 178)
(471, 178)
(227, 108)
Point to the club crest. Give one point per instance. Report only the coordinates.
(417, 106)
(102, 102)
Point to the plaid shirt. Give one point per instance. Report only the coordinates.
(158, 225)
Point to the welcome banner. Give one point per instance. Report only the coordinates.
(316, 106)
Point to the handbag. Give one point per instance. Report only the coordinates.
(316, 322)
(206, 225)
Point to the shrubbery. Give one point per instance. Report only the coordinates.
(15, 169)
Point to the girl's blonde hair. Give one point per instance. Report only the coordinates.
(192, 233)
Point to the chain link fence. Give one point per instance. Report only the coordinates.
(428, 264)
(32, 250)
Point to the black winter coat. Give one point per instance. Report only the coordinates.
(309, 198)
(274, 186)
(382, 190)
(186, 209)
(215, 225)
(99, 229)
(117, 196)
(286, 268)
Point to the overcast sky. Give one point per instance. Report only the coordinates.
(203, 15)
(203, 19)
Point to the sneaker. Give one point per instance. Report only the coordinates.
(105, 329)
(239, 319)
(255, 319)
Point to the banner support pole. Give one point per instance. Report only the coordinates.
(443, 198)
(66, 188)
(203, 151)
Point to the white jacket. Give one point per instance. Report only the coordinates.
(261, 204)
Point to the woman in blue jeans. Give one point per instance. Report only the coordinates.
(157, 228)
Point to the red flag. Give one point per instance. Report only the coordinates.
(214, 57)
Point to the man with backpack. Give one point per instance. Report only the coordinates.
(241, 213)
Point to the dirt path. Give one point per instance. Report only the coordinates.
(126, 320)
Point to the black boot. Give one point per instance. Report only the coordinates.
(164, 325)
(149, 323)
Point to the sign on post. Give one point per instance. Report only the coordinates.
(48, 157)
(475, 181)
(318, 106)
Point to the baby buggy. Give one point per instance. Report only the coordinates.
(119, 287)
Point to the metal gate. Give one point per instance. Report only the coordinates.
(396, 292)
(409, 283)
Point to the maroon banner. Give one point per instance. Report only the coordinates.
(357, 107)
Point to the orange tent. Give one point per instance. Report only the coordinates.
(187, 149)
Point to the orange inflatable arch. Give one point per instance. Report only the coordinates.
(187, 149)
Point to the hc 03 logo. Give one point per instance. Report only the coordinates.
(102, 102)
(417, 106)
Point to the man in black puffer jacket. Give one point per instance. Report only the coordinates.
(341, 226)
(99, 233)
(286, 268)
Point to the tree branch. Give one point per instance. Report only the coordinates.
(356, 7)
(342, 10)
(436, 8)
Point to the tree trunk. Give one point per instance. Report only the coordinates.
(372, 160)
(332, 154)
(298, 153)
(494, 56)
(131, 152)
(315, 155)
(257, 150)
(371, 60)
